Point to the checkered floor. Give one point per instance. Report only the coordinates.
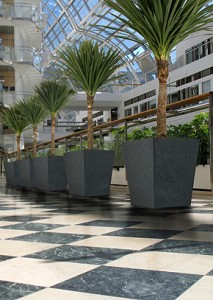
(54, 246)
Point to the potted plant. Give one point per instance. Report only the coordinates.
(34, 114)
(15, 121)
(160, 171)
(50, 171)
(89, 68)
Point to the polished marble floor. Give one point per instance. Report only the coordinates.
(54, 246)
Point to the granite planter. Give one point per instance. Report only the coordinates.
(160, 171)
(89, 172)
(50, 174)
(9, 168)
(26, 174)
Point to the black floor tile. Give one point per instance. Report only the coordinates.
(203, 227)
(199, 211)
(192, 247)
(23, 218)
(70, 211)
(210, 273)
(78, 254)
(131, 283)
(5, 257)
(110, 223)
(12, 290)
(8, 208)
(32, 226)
(144, 233)
(51, 237)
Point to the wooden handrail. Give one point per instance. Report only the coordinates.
(172, 106)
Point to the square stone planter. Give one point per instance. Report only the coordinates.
(160, 171)
(50, 174)
(9, 168)
(89, 172)
(26, 174)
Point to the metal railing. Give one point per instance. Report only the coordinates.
(173, 109)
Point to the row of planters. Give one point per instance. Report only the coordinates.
(160, 171)
(86, 172)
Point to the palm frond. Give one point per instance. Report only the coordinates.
(88, 66)
(14, 120)
(32, 110)
(52, 95)
(161, 23)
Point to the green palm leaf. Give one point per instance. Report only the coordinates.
(14, 120)
(160, 25)
(89, 68)
(34, 113)
(53, 96)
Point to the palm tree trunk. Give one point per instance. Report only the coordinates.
(18, 138)
(90, 100)
(53, 135)
(34, 141)
(163, 73)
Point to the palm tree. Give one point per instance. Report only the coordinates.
(52, 96)
(89, 68)
(161, 24)
(15, 121)
(34, 113)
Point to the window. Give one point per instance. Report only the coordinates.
(206, 72)
(128, 112)
(152, 104)
(206, 86)
(193, 91)
(135, 110)
(134, 100)
(143, 107)
(142, 97)
(128, 102)
(150, 94)
(200, 50)
(197, 76)
(188, 79)
(175, 97)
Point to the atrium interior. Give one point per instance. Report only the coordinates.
(59, 245)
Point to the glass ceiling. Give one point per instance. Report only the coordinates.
(70, 21)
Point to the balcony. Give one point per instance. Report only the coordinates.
(22, 11)
(24, 55)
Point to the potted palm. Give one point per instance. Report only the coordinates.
(34, 114)
(160, 171)
(50, 171)
(15, 121)
(89, 68)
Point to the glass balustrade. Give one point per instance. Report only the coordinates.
(25, 55)
(21, 11)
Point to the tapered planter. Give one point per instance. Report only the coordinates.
(50, 174)
(89, 172)
(160, 171)
(9, 168)
(26, 174)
